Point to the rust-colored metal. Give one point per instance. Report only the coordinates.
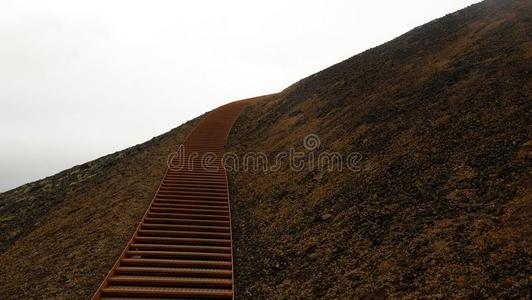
(182, 247)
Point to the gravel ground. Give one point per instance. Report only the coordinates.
(441, 207)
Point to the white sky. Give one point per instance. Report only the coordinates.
(81, 79)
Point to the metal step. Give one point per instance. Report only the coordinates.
(182, 247)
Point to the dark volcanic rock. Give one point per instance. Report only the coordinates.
(441, 207)
(61, 235)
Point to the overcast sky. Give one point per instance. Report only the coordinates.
(82, 79)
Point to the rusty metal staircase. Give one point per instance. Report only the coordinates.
(182, 246)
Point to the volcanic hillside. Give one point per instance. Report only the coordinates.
(440, 206)
(61, 235)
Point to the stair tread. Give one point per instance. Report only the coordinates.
(147, 232)
(177, 262)
(185, 227)
(182, 248)
(178, 253)
(167, 291)
(130, 278)
(185, 221)
(189, 248)
(165, 270)
(177, 240)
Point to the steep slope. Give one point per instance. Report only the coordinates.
(61, 235)
(182, 246)
(441, 206)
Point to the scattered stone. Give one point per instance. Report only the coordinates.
(326, 217)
